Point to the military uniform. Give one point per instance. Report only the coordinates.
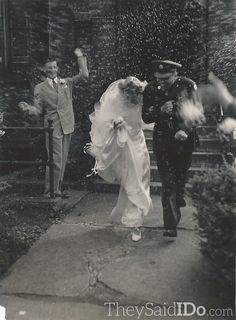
(173, 156)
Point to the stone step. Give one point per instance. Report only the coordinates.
(206, 156)
(209, 159)
(209, 144)
(200, 158)
(155, 176)
(100, 185)
(207, 131)
(202, 131)
(206, 144)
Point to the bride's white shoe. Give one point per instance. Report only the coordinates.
(136, 235)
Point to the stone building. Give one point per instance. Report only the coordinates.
(43, 26)
(119, 37)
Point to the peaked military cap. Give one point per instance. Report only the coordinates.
(165, 66)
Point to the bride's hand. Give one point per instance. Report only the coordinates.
(118, 123)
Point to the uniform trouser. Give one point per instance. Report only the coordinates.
(61, 145)
(173, 161)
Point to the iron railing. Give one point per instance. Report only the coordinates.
(50, 162)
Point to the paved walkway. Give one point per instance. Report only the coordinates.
(87, 261)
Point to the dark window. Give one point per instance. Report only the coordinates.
(14, 32)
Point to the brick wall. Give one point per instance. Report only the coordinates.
(60, 26)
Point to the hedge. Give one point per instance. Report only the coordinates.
(214, 195)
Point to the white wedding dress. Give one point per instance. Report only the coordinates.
(121, 154)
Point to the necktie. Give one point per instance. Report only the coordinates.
(55, 85)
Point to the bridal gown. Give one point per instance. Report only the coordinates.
(121, 154)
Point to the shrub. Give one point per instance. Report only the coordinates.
(214, 195)
(15, 241)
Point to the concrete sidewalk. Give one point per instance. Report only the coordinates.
(87, 261)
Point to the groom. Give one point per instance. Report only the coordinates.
(173, 143)
(53, 100)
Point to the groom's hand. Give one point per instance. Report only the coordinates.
(181, 135)
(167, 107)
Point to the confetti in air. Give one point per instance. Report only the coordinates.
(192, 114)
(228, 125)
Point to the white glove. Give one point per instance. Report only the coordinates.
(167, 107)
(181, 135)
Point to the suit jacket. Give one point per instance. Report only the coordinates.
(56, 105)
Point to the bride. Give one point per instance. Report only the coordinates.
(119, 148)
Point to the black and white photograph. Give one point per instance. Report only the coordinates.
(117, 159)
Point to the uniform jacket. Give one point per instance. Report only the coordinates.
(167, 125)
(156, 97)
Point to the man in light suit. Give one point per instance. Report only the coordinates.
(53, 100)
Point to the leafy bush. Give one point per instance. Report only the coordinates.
(214, 195)
(20, 226)
(15, 241)
(4, 186)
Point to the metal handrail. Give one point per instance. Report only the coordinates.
(50, 162)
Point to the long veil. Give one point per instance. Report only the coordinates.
(105, 112)
(121, 154)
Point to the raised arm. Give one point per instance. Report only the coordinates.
(82, 64)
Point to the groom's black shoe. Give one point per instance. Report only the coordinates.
(172, 233)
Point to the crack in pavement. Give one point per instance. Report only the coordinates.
(97, 259)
